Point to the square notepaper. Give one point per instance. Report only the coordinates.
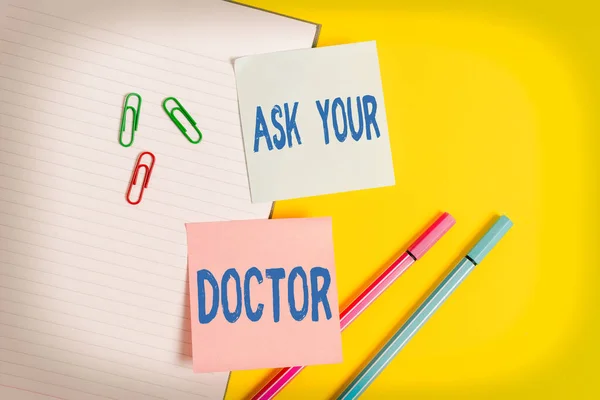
(314, 121)
(263, 294)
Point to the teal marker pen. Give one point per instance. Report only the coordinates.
(426, 310)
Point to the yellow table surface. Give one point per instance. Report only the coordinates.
(492, 108)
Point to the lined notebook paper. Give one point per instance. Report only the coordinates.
(93, 292)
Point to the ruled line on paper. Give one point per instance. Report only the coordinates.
(127, 36)
(28, 218)
(162, 277)
(142, 338)
(191, 171)
(156, 305)
(120, 192)
(105, 372)
(124, 182)
(37, 306)
(240, 159)
(97, 370)
(178, 329)
(87, 343)
(91, 369)
(133, 366)
(51, 384)
(154, 287)
(178, 320)
(112, 249)
(122, 269)
(144, 363)
(118, 93)
(134, 74)
(159, 226)
(235, 171)
(71, 143)
(92, 232)
(118, 228)
(89, 296)
(119, 58)
(29, 182)
(32, 391)
(117, 118)
(142, 87)
(206, 122)
(61, 165)
(181, 284)
(201, 123)
(69, 376)
(124, 158)
(87, 209)
(225, 71)
(115, 204)
(166, 352)
(234, 98)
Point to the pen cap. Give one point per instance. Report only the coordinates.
(431, 235)
(489, 240)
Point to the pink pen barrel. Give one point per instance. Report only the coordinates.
(349, 314)
(277, 383)
(431, 236)
(415, 251)
(375, 289)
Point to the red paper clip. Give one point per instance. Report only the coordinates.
(138, 166)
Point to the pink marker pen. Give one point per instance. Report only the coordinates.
(371, 292)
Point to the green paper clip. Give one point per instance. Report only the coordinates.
(136, 118)
(187, 116)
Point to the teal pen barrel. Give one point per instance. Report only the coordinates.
(490, 239)
(407, 331)
(426, 309)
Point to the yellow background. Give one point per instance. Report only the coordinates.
(492, 108)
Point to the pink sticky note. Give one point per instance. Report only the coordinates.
(275, 289)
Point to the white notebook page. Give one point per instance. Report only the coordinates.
(93, 292)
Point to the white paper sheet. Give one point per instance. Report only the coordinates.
(93, 293)
(296, 149)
